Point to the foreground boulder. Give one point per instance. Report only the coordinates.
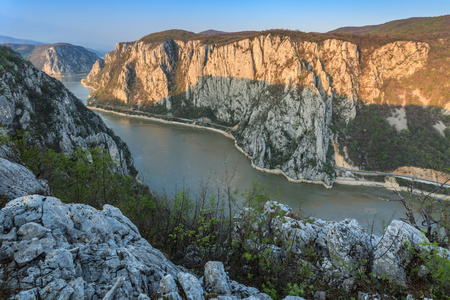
(51, 250)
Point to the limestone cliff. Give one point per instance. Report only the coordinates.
(31, 101)
(58, 59)
(281, 91)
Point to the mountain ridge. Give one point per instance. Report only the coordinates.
(414, 25)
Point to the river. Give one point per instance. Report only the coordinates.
(172, 157)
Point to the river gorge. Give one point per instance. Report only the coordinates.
(172, 157)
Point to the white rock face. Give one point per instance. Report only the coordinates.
(281, 92)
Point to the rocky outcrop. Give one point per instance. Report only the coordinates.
(341, 249)
(50, 250)
(282, 92)
(62, 59)
(16, 181)
(32, 102)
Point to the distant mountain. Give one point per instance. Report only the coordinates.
(212, 31)
(406, 26)
(99, 53)
(57, 59)
(8, 40)
(23, 49)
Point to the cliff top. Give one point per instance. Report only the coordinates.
(414, 29)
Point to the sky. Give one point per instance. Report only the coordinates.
(100, 24)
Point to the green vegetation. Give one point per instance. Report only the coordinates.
(193, 229)
(373, 144)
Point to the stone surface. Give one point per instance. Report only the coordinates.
(168, 288)
(216, 281)
(17, 181)
(73, 251)
(393, 254)
(191, 286)
(31, 230)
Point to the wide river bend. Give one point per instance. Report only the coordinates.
(172, 157)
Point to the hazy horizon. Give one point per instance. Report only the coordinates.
(102, 24)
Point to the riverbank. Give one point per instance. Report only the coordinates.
(227, 134)
(348, 181)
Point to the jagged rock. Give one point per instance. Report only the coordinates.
(111, 293)
(274, 207)
(11, 236)
(216, 281)
(168, 288)
(17, 181)
(349, 245)
(32, 230)
(78, 252)
(26, 251)
(27, 295)
(393, 253)
(191, 286)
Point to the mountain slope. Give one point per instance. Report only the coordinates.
(32, 102)
(57, 59)
(409, 26)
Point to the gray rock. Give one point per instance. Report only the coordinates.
(31, 294)
(349, 245)
(17, 181)
(393, 253)
(191, 286)
(10, 236)
(274, 207)
(32, 230)
(366, 296)
(52, 290)
(111, 293)
(168, 288)
(216, 280)
(348, 285)
(320, 295)
(143, 297)
(27, 251)
(293, 298)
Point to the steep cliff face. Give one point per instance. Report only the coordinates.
(33, 102)
(58, 59)
(282, 92)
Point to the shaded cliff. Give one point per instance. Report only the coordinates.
(287, 91)
(32, 102)
(58, 59)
